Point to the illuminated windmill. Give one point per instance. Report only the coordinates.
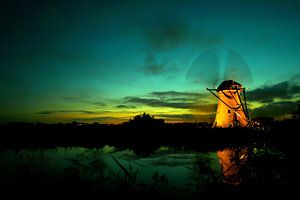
(215, 65)
(232, 110)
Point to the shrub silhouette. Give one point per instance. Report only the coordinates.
(145, 120)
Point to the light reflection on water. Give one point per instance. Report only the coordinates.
(180, 168)
(98, 170)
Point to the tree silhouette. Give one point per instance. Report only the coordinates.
(145, 120)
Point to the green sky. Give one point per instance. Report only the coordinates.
(107, 61)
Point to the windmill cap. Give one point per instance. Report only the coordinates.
(229, 84)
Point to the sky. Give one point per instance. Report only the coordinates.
(107, 61)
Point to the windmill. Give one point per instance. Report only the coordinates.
(229, 68)
(232, 110)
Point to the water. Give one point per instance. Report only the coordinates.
(177, 167)
(166, 171)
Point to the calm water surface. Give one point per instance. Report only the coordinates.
(178, 168)
(168, 171)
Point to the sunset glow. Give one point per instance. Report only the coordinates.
(108, 61)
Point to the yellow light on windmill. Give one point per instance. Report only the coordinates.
(231, 111)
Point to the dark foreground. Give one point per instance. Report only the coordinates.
(28, 135)
(271, 175)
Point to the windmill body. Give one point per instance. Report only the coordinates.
(231, 111)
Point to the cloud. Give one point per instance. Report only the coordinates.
(169, 32)
(158, 103)
(172, 99)
(268, 93)
(154, 69)
(166, 34)
(99, 103)
(80, 95)
(177, 95)
(49, 112)
(125, 106)
(151, 66)
(282, 90)
(275, 109)
(277, 99)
